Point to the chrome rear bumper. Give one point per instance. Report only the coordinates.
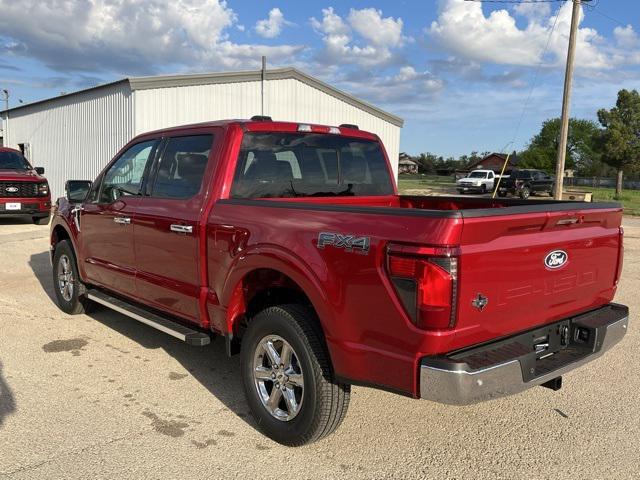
(474, 376)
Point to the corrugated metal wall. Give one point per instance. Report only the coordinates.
(287, 99)
(74, 137)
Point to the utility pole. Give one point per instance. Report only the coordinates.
(263, 78)
(566, 100)
(6, 118)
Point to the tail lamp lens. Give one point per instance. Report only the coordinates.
(620, 255)
(426, 286)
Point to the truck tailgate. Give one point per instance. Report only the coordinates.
(507, 263)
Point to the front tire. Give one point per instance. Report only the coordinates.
(288, 378)
(66, 281)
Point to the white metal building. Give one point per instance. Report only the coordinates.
(74, 135)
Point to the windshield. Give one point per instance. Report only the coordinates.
(274, 165)
(13, 161)
(478, 175)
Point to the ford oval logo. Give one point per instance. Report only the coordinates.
(556, 259)
(11, 189)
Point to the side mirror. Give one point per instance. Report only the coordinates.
(77, 190)
(39, 170)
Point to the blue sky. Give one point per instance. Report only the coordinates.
(458, 72)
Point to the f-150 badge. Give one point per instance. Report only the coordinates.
(350, 243)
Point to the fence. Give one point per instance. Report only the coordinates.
(600, 182)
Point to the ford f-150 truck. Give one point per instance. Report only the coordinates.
(292, 243)
(24, 192)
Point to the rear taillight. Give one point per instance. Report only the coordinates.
(620, 255)
(425, 280)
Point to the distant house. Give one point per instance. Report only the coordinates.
(495, 161)
(406, 165)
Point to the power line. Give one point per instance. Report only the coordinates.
(516, 1)
(535, 79)
(593, 8)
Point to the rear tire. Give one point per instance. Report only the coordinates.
(524, 193)
(310, 404)
(67, 286)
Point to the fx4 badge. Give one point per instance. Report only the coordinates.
(350, 243)
(480, 302)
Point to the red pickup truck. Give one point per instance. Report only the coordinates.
(24, 192)
(291, 241)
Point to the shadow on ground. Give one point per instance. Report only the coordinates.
(16, 221)
(7, 402)
(40, 263)
(210, 365)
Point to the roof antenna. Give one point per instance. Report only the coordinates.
(263, 78)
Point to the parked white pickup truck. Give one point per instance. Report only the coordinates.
(477, 181)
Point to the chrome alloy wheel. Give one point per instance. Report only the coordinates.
(65, 278)
(278, 377)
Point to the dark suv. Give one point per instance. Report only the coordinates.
(526, 182)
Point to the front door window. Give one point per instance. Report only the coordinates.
(125, 175)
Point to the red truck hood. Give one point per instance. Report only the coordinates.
(20, 176)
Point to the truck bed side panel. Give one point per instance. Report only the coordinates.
(369, 336)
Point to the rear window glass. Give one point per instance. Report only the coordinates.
(276, 165)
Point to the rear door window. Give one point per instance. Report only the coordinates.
(275, 165)
(181, 168)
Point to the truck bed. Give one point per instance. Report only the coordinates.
(500, 244)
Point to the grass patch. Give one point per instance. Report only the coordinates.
(630, 199)
(431, 182)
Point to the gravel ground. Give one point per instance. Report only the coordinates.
(103, 396)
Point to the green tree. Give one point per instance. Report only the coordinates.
(426, 163)
(621, 136)
(583, 146)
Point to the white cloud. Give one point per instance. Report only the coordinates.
(404, 87)
(130, 36)
(371, 26)
(367, 38)
(626, 37)
(463, 29)
(271, 27)
(534, 10)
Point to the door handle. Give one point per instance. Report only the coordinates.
(122, 220)
(181, 228)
